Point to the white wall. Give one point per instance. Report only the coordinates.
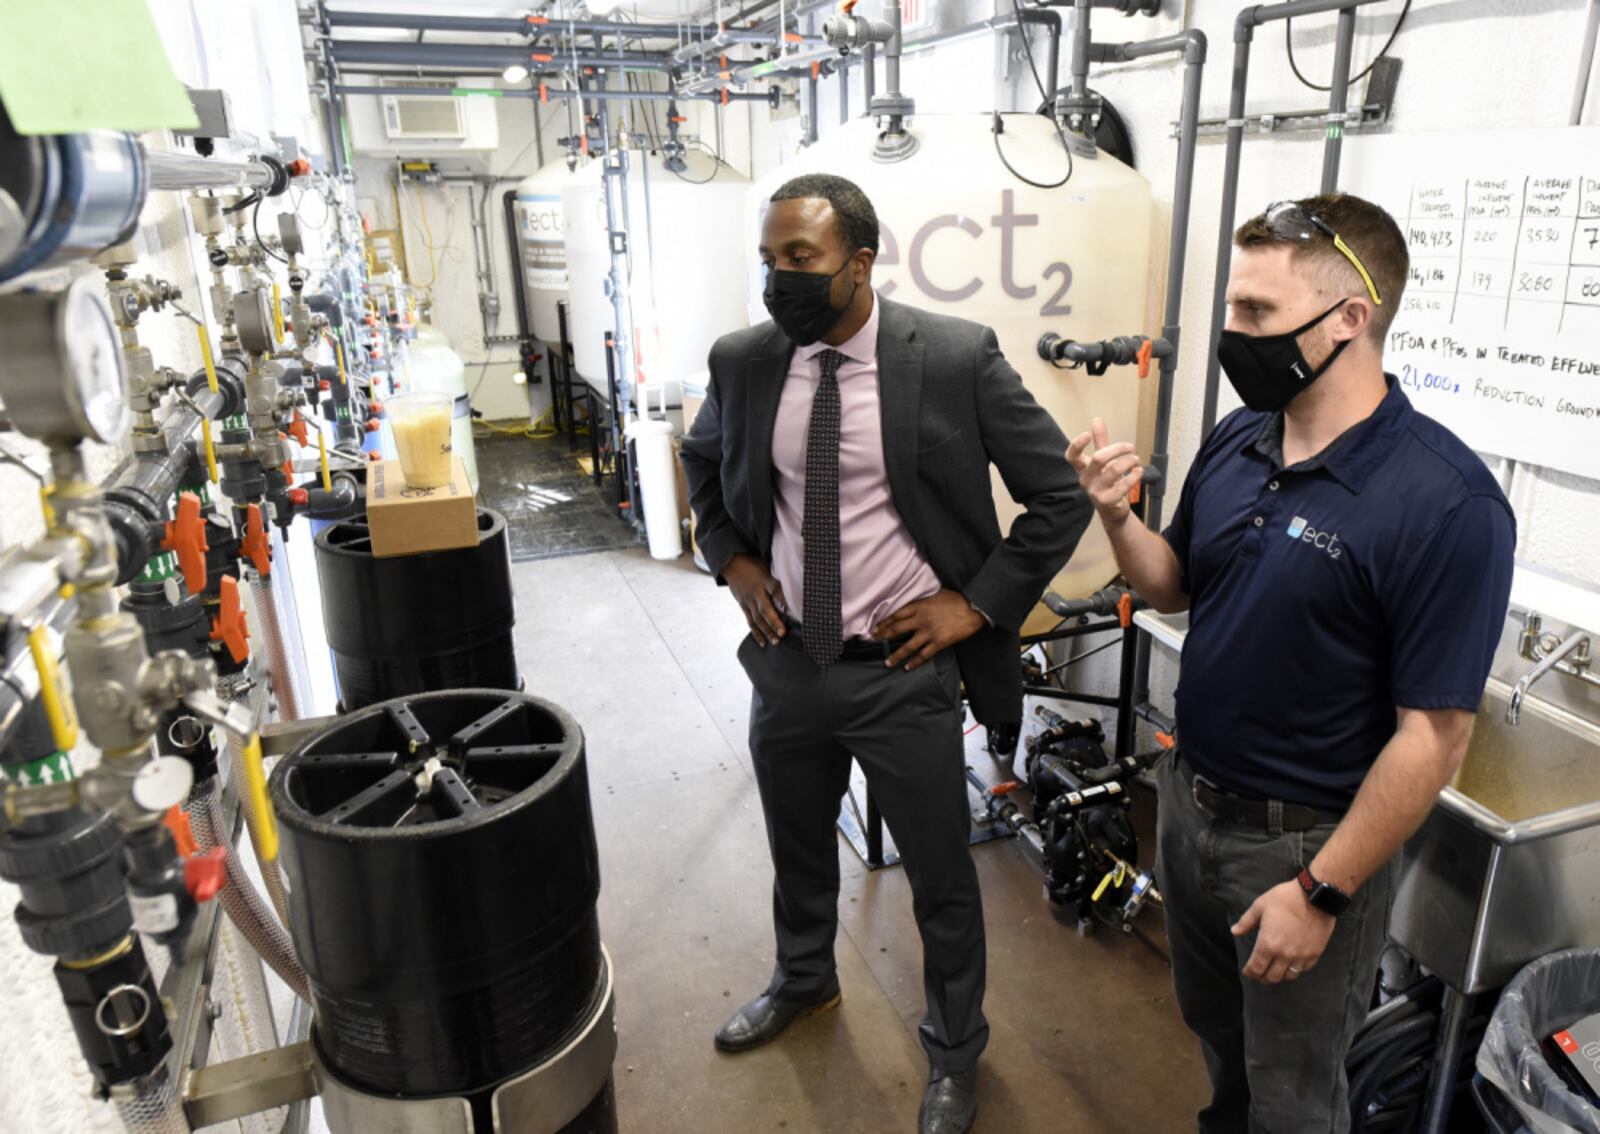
(1467, 64)
(449, 273)
(451, 270)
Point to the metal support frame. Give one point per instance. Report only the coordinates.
(1457, 1011)
(864, 833)
(1243, 33)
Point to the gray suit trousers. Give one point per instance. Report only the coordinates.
(806, 723)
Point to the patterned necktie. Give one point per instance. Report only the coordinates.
(822, 633)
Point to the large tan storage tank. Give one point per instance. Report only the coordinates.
(688, 254)
(542, 243)
(963, 236)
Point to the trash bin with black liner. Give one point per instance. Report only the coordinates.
(1519, 1087)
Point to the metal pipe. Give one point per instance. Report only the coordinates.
(767, 96)
(1585, 64)
(492, 25)
(1340, 83)
(1242, 35)
(1080, 49)
(190, 171)
(891, 57)
(351, 52)
(1192, 44)
(1049, 18)
(869, 76)
(1243, 31)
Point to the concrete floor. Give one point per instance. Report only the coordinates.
(1085, 1033)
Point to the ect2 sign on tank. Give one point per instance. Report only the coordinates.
(945, 259)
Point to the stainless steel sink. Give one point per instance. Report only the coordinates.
(1507, 867)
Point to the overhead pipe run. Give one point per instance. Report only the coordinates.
(1243, 33)
(769, 96)
(354, 53)
(519, 25)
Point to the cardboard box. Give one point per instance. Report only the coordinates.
(408, 521)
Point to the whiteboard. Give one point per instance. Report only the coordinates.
(1498, 333)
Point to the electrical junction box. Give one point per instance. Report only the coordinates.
(409, 521)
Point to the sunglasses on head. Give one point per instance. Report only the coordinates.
(1288, 220)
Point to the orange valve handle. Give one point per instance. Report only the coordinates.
(186, 534)
(1125, 609)
(1143, 357)
(1006, 788)
(298, 429)
(1166, 740)
(254, 544)
(1133, 496)
(177, 821)
(230, 626)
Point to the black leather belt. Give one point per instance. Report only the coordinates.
(1229, 807)
(855, 649)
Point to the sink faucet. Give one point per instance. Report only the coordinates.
(1576, 642)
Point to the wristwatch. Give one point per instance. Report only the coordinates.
(1324, 896)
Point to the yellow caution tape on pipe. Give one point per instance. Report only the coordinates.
(255, 775)
(211, 449)
(57, 705)
(322, 456)
(205, 353)
(277, 311)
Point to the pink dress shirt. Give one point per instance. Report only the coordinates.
(880, 568)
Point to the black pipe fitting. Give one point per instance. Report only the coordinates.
(117, 1015)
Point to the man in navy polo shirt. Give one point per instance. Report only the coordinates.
(1346, 563)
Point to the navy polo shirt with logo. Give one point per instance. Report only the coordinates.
(1324, 595)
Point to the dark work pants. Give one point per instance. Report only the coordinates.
(806, 723)
(1275, 1053)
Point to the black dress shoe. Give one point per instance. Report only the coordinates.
(764, 1018)
(950, 1104)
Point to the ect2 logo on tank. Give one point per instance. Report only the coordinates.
(1057, 276)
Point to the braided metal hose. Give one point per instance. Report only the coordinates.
(243, 902)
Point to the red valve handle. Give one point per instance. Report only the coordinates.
(204, 875)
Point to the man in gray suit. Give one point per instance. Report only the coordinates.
(839, 473)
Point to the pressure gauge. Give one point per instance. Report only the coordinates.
(62, 377)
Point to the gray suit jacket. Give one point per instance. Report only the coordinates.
(951, 405)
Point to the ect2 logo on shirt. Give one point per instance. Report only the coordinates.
(1301, 529)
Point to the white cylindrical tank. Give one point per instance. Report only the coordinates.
(542, 244)
(686, 289)
(433, 368)
(658, 486)
(963, 236)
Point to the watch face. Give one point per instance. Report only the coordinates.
(93, 356)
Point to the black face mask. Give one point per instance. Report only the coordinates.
(1268, 371)
(801, 303)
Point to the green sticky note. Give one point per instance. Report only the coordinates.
(86, 65)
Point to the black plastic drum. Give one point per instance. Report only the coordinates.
(440, 859)
(417, 623)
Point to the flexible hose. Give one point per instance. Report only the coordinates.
(243, 903)
(151, 1106)
(271, 876)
